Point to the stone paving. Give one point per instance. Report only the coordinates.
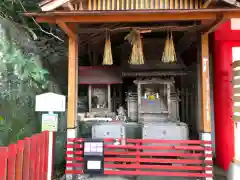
(218, 175)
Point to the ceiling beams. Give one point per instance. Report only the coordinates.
(121, 28)
(189, 37)
(67, 29)
(213, 26)
(209, 17)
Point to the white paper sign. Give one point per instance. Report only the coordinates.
(94, 165)
(93, 147)
(50, 102)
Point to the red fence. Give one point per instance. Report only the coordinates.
(28, 159)
(190, 158)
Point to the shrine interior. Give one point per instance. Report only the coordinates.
(151, 91)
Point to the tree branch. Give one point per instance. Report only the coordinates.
(41, 29)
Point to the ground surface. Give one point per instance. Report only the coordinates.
(219, 174)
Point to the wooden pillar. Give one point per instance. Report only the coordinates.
(72, 79)
(71, 31)
(205, 86)
(205, 100)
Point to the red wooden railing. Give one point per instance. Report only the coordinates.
(29, 159)
(179, 158)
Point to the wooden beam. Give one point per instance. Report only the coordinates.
(129, 17)
(213, 26)
(67, 29)
(230, 15)
(143, 28)
(81, 16)
(72, 79)
(205, 86)
(189, 38)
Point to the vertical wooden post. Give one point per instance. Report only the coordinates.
(205, 86)
(72, 78)
(205, 99)
(71, 31)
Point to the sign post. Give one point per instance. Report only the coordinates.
(50, 102)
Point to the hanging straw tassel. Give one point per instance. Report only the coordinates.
(107, 57)
(172, 50)
(169, 54)
(134, 38)
(165, 52)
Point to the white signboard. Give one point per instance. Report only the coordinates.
(236, 140)
(235, 54)
(50, 102)
(50, 122)
(235, 24)
(94, 165)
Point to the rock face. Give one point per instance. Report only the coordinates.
(22, 77)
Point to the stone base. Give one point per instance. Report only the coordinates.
(205, 136)
(71, 133)
(233, 172)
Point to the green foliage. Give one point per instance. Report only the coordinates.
(26, 47)
(48, 39)
(21, 78)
